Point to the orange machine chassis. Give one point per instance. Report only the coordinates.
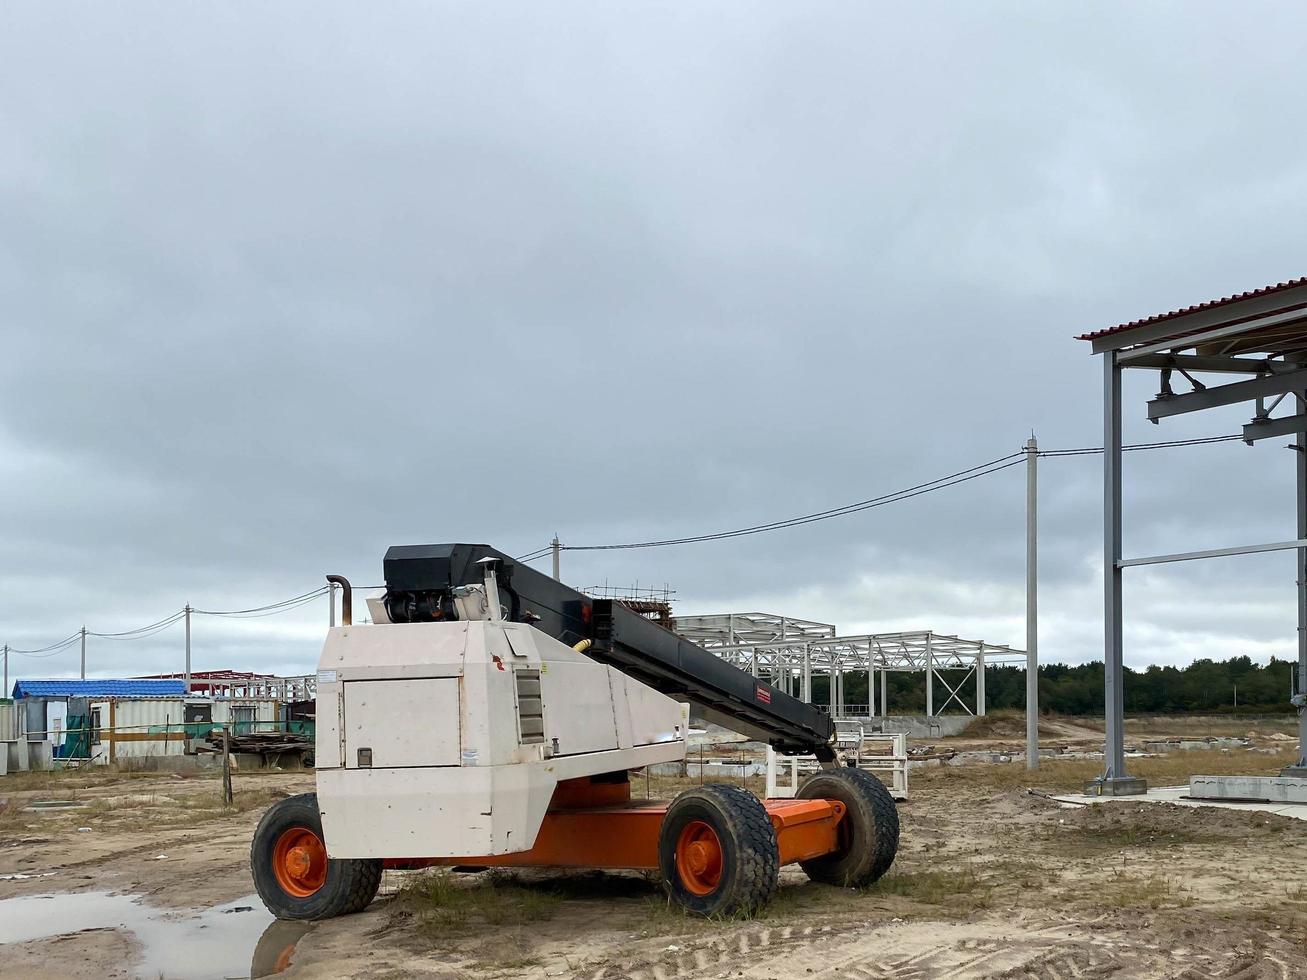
(595, 825)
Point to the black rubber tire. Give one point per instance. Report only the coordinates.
(869, 832)
(350, 886)
(750, 860)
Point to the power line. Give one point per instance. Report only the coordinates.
(1136, 447)
(142, 631)
(272, 611)
(51, 650)
(274, 606)
(953, 479)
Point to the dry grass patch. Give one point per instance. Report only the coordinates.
(958, 891)
(1122, 891)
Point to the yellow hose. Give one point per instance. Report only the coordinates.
(581, 647)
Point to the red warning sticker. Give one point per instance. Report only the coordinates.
(763, 694)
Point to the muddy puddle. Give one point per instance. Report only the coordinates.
(237, 939)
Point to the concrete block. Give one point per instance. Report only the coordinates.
(1273, 789)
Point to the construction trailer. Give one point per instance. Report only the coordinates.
(112, 720)
(491, 717)
(142, 728)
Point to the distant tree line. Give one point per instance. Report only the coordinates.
(1204, 686)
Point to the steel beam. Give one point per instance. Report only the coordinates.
(1231, 394)
(1248, 549)
(1198, 363)
(1271, 428)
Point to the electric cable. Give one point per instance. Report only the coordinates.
(285, 603)
(51, 650)
(142, 631)
(953, 479)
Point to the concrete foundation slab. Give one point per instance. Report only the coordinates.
(1179, 795)
(1271, 789)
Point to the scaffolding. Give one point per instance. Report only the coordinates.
(788, 653)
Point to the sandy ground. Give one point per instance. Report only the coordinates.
(990, 882)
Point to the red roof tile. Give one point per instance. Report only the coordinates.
(1193, 309)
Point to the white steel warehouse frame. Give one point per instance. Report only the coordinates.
(789, 652)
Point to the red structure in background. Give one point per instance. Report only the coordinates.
(245, 684)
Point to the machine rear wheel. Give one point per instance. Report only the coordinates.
(868, 833)
(292, 872)
(717, 851)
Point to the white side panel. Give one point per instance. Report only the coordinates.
(327, 743)
(646, 713)
(404, 723)
(578, 705)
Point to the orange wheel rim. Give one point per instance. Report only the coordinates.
(699, 858)
(299, 861)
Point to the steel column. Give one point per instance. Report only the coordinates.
(1114, 780)
(980, 682)
(1300, 464)
(871, 688)
(930, 679)
(807, 676)
(884, 693)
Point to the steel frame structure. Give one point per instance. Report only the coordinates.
(1261, 335)
(789, 652)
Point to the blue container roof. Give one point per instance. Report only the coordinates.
(98, 688)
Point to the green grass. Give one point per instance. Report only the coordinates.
(447, 906)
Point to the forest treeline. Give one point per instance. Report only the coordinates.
(1207, 686)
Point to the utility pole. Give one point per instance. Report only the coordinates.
(188, 648)
(1032, 605)
(83, 653)
(557, 548)
(4, 692)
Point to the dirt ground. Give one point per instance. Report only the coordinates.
(990, 881)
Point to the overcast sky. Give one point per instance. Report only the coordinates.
(283, 285)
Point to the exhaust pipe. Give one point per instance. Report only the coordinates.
(346, 599)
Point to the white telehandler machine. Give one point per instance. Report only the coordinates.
(491, 717)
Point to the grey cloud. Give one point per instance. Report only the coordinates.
(280, 286)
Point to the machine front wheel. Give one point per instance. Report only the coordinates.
(868, 832)
(292, 872)
(717, 851)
